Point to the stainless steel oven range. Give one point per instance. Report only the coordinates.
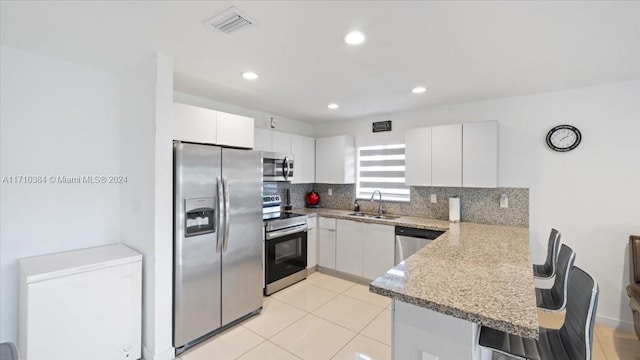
(285, 249)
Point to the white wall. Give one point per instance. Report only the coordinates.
(146, 200)
(590, 194)
(261, 119)
(56, 118)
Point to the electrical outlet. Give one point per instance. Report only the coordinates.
(136, 206)
(330, 192)
(434, 198)
(504, 201)
(427, 356)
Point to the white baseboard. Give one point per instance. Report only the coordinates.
(168, 354)
(615, 323)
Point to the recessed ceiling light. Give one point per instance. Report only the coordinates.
(333, 106)
(419, 90)
(354, 38)
(249, 75)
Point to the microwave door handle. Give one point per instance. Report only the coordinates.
(285, 168)
(225, 185)
(219, 207)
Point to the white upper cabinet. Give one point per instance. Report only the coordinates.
(194, 124)
(453, 155)
(303, 150)
(262, 140)
(480, 154)
(446, 155)
(206, 126)
(234, 130)
(336, 160)
(297, 149)
(309, 158)
(281, 142)
(418, 157)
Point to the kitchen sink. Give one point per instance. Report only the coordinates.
(386, 217)
(359, 214)
(374, 216)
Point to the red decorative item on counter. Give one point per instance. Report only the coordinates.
(313, 199)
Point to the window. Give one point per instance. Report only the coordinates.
(382, 168)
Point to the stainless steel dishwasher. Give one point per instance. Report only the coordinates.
(410, 240)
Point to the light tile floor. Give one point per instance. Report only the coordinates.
(327, 318)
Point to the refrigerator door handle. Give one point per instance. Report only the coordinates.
(225, 185)
(219, 208)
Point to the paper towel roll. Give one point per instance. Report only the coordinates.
(454, 209)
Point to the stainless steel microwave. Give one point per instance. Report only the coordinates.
(277, 166)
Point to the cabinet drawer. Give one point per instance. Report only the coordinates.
(327, 223)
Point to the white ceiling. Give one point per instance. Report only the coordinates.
(461, 51)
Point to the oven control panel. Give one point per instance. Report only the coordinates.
(271, 200)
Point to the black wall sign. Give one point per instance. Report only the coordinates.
(380, 126)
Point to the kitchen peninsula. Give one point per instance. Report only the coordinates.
(472, 275)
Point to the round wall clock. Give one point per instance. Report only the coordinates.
(564, 138)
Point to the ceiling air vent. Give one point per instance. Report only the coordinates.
(229, 21)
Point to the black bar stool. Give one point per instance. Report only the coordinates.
(555, 299)
(573, 341)
(548, 269)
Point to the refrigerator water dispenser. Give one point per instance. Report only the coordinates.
(199, 216)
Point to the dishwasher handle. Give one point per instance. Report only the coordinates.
(418, 233)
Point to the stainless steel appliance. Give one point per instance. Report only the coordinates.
(285, 247)
(277, 166)
(271, 207)
(217, 240)
(410, 240)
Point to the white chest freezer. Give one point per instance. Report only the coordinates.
(83, 304)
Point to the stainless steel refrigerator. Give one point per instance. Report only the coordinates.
(217, 239)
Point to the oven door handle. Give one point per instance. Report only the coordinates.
(280, 233)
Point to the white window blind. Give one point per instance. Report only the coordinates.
(382, 168)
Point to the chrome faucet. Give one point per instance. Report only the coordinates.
(380, 206)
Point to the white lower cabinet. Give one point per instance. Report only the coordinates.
(364, 249)
(327, 242)
(378, 250)
(349, 247)
(312, 242)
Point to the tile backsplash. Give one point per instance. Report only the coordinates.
(479, 205)
(298, 192)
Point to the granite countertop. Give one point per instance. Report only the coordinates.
(479, 273)
(410, 221)
(475, 272)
